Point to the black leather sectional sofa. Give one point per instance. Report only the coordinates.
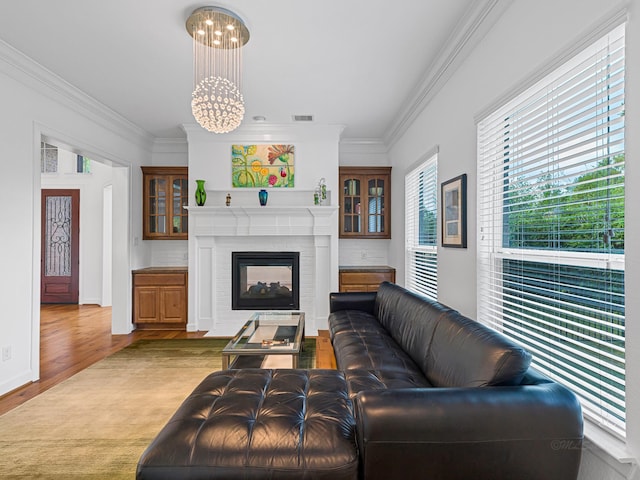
(440, 396)
(421, 392)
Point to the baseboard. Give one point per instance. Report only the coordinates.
(16, 382)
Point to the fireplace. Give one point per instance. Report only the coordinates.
(265, 280)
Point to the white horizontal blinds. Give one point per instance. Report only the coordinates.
(551, 226)
(421, 208)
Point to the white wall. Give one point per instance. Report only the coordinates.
(36, 104)
(527, 38)
(316, 156)
(91, 187)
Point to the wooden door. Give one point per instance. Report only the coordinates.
(60, 246)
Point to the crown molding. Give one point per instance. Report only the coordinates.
(170, 145)
(363, 145)
(477, 21)
(266, 132)
(29, 73)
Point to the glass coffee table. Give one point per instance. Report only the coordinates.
(266, 333)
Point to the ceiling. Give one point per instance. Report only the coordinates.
(357, 63)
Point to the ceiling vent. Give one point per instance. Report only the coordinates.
(302, 118)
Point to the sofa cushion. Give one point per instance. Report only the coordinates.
(372, 351)
(382, 379)
(353, 320)
(414, 325)
(465, 353)
(386, 304)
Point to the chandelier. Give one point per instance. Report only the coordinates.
(218, 37)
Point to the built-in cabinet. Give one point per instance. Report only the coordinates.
(365, 202)
(364, 278)
(160, 298)
(165, 192)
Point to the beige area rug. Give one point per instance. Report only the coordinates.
(96, 424)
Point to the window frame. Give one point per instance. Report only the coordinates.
(491, 214)
(421, 279)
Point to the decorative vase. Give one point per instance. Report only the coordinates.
(201, 193)
(263, 196)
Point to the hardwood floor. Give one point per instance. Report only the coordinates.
(73, 337)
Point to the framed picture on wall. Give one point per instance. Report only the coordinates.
(453, 212)
(262, 166)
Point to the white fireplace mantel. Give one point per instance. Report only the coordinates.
(276, 220)
(214, 231)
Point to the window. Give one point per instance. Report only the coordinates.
(83, 164)
(48, 158)
(551, 226)
(421, 207)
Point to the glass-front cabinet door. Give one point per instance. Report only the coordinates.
(179, 215)
(365, 202)
(165, 193)
(352, 205)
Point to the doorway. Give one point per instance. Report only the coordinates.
(86, 231)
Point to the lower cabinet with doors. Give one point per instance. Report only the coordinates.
(160, 298)
(364, 278)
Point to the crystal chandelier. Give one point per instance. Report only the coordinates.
(218, 37)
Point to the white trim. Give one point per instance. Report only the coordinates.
(435, 150)
(26, 71)
(268, 132)
(611, 444)
(362, 145)
(564, 257)
(478, 20)
(171, 145)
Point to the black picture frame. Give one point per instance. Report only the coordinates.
(453, 212)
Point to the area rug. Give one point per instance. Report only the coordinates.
(96, 424)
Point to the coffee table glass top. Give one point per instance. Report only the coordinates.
(269, 333)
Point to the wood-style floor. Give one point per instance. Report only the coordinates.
(73, 337)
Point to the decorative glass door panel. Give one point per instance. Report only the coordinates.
(57, 249)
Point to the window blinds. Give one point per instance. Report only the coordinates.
(421, 204)
(551, 226)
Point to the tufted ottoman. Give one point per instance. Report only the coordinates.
(258, 423)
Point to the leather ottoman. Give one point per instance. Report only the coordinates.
(257, 424)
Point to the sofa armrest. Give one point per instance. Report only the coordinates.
(363, 301)
(531, 431)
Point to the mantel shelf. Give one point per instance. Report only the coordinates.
(288, 220)
(266, 210)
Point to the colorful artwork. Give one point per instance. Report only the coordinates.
(262, 166)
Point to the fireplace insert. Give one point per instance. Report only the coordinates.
(265, 280)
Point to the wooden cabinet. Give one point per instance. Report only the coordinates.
(160, 298)
(364, 279)
(365, 202)
(165, 192)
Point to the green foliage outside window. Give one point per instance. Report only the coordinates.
(585, 215)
